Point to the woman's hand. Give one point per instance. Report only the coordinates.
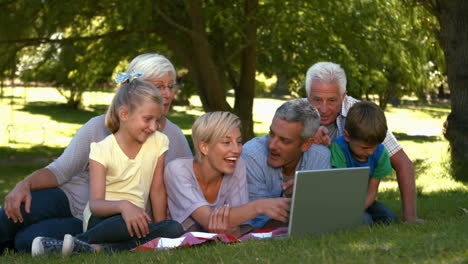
(136, 219)
(219, 220)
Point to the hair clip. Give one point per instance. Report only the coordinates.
(122, 77)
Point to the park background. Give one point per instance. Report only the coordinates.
(58, 59)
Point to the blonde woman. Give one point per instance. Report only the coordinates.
(209, 192)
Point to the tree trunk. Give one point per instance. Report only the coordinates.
(281, 87)
(199, 56)
(453, 37)
(245, 93)
(211, 92)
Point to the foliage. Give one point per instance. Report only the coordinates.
(384, 46)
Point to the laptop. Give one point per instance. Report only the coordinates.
(325, 201)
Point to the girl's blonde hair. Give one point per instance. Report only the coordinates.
(212, 126)
(130, 94)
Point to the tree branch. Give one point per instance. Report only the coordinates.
(433, 6)
(42, 40)
(171, 22)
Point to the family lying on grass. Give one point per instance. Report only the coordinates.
(128, 177)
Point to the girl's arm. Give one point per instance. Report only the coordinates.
(135, 217)
(158, 192)
(372, 191)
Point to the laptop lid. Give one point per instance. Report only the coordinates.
(328, 200)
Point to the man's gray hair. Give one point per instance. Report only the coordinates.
(326, 72)
(300, 110)
(152, 65)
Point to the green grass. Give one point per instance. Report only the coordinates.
(442, 202)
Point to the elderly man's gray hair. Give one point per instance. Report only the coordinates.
(326, 72)
(300, 110)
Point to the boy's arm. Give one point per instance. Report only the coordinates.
(158, 194)
(381, 170)
(372, 191)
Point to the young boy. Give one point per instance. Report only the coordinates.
(360, 146)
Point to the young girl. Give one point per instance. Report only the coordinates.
(126, 174)
(209, 193)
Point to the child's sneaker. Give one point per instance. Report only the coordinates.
(45, 245)
(72, 245)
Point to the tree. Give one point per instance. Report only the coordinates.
(206, 45)
(77, 45)
(453, 37)
(217, 43)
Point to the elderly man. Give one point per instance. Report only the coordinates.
(326, 90)
(273, 159)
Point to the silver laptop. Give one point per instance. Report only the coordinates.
(326, 201)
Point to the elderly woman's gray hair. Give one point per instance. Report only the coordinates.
(152, 65)
(326, 72)
(300, 110)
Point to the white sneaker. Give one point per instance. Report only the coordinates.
(72, 245)
(45, 245)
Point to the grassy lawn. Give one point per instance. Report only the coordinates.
(442, 202)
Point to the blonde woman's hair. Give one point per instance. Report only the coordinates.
(130, 95)
(212, 126)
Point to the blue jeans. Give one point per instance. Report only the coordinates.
(111, 232)
(49, 216)
(379, 213)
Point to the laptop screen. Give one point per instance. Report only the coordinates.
(326, 201)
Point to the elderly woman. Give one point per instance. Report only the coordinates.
(209, 193)
(50, 202)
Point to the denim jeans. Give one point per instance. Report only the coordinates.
(378, 213)
(111, 233)
(49, 216)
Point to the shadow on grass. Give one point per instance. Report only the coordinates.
(416, 138)
(434, 113)
(64, 113)
(39, 151)
(182, 119)
(9, 97)
(436, 109)
(432, 205)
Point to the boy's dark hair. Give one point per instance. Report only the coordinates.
(366, 123)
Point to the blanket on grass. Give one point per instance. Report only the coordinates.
(195, 238)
